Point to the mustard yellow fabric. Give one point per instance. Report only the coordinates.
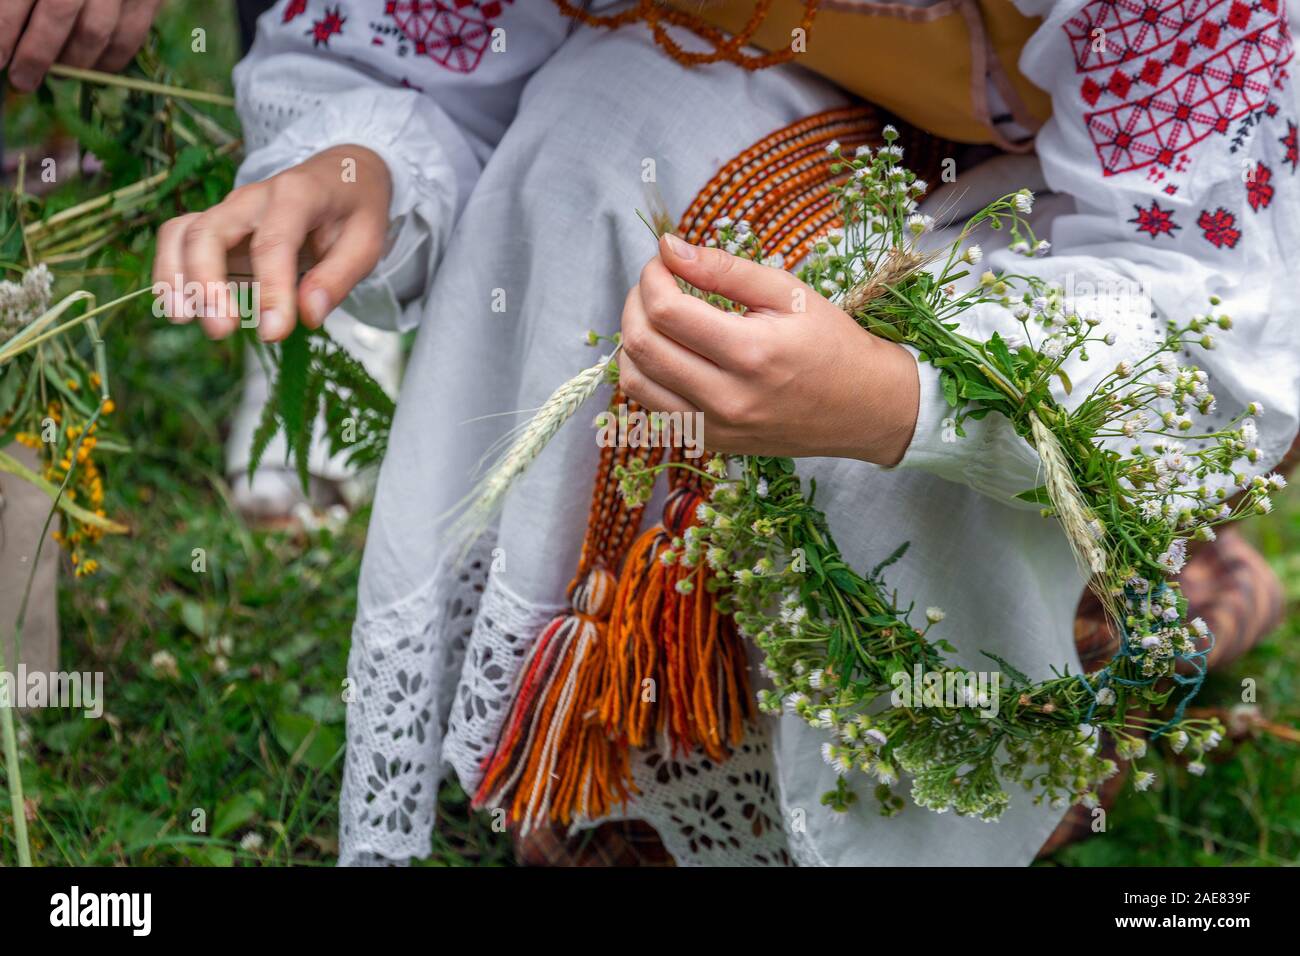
(925, 65)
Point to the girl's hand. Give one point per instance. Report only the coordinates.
(795, 376)
(341, 219)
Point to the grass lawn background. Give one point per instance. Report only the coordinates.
(250, 731)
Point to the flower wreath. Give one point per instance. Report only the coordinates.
(836, 641)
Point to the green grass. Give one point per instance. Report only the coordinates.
(247, 737)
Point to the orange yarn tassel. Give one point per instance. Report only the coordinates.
(667, 638)
(554, 760)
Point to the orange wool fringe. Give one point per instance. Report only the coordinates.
(593, 683)
(671, 640)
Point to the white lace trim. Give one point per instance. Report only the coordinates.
(432, 681)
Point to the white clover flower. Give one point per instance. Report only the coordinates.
(164, 665)
(934, 614)
(1105, 697)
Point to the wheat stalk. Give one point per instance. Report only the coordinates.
(1072, 511)
(484, 501)
(893, 268)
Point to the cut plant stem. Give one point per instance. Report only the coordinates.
(144, 86)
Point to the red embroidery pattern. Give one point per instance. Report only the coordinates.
(1166, 74)
(327, 26)
(1291, 145)
(1219, 228)
(292, 9)
(1259, 191)
(1154, 221)
(453, 33)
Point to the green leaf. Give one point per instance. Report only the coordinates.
(189, 162)
(267, 429)
(1018, 678)
(1001, 353)
(948, 381)
(291, 394)
(236, 812)
(981, 393)
(310, 742)
(843, 579)
(898, 553)
(1036, 496)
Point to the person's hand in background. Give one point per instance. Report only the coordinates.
(341, 223)
(90, 34)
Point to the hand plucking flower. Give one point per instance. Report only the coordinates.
(793, 376)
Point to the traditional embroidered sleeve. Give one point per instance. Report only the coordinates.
(430, 87)
(1174, 132)
(431, 168)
